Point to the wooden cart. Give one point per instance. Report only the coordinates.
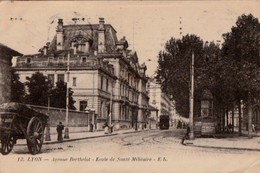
(19, 121)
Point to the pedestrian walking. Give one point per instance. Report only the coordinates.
(112, 127)
(91, 127)
(60, 128)
(106, 127)
(253, 128)
(186, 136)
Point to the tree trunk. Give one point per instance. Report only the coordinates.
(219, 119)
(239, 119)
(233, 117)
(223, 119)
(250, 135)
(227, 117)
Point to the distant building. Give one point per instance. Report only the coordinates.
(6, 55)
(104, 75)
(160, 100)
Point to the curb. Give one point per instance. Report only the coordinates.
(89, 137)
(70, 140)
(81, 138)
(76, 139)
(223, 148)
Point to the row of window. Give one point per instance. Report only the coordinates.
(125, 91)
(131, 80)
(60, 77)
(59, 60)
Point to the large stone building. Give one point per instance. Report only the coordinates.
(104, 75)
(6, 55)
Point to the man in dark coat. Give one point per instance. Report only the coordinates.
(186, 135)
(59, 129)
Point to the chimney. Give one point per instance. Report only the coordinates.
(101, 23)
(60, 36)
(60, 25)
(45, 48)
(101, 36)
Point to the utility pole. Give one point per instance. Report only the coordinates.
(66, 136)
(191, 98)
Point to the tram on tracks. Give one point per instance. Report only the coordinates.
(164, 122)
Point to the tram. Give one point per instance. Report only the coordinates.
(164, 122)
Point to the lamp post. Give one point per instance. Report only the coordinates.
(48, 135)
(191, 134)
(66, 136)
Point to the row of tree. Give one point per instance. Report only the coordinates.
(230, 71)
(37, 90)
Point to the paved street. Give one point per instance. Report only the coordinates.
(146, 151)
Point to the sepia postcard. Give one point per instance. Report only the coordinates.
(80, 92)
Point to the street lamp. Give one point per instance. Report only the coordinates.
(66, 136)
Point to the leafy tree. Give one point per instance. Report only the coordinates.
(39, 91)
(38, 86)
(17, 87)
(230, 73)
(58, 96)
(173, 71)
(242, 50)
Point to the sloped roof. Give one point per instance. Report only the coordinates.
(5, 51)
(89, 32)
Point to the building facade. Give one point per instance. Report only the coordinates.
(6, 55)
(160, 101)
(104, 75)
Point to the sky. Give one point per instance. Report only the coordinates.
(26, 26)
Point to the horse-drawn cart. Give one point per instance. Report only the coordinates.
(19, 121)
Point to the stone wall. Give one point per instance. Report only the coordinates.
(56, 115)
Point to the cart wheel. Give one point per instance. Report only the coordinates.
(7, 143)
(35, 132)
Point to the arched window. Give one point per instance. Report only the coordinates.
(81, 43)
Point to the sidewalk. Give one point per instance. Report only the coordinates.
(74, 136)
(233, 142)
(88, 135)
